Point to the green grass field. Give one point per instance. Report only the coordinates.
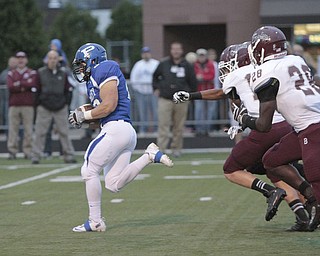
(159, 215)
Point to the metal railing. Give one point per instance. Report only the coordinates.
(223, 113)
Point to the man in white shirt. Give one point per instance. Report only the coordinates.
(141, 82)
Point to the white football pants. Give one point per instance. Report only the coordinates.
(111, 150)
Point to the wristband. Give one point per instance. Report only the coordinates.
(195, 96)
(87, 115)
(249, 121)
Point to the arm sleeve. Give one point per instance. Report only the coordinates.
(10, 83)
(30, 82)
(268, 91)
(233, 95)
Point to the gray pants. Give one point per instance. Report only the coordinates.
(43, 121)
(171, 114)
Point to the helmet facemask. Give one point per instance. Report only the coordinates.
(81, 71)
(230, 61)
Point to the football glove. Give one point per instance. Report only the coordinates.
(239, 112)
(73, 119)
(181, 96)
(233, 131)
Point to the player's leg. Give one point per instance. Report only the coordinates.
(248, 154)
(276, 161)
(94, 160)
(121, 172)
(310, 145)
(245, 154)
(296, 206)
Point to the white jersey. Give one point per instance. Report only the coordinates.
(298, 99)
(240, 80)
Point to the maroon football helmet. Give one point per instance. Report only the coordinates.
(267, 43)
(232, 58)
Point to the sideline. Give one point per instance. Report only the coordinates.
(41, 176)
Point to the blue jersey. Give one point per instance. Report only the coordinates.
(103, 72)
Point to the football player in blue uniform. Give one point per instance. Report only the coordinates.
(111, 150)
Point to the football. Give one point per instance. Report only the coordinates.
(86, 107)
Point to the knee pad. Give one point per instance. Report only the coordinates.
(87, 174)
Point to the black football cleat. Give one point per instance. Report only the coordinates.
(274, 199)
(300, 226)
(313, 209)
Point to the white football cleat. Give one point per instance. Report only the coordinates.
(156, 156)
(91, 226)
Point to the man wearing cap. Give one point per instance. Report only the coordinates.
(141, 82)
(21, 86)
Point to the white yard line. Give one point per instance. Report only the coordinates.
(193, 177)
(40, 176)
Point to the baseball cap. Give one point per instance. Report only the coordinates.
(202, 51)
(21, 55)
(145, 49)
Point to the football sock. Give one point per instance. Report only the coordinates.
(261, 186)
(93, 191)
(298, 209)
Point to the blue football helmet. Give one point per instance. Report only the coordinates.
(87, 56)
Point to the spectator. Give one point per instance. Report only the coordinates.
(141, 82)
(21, 85)
(173, 74)
(297, 49)
(55, 93)
(191, 57)
(56, 45)
(212, 55)
(204, 110)
(12, 64)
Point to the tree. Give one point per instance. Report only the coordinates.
(127, 25)
(75, 28)
(21, 30)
